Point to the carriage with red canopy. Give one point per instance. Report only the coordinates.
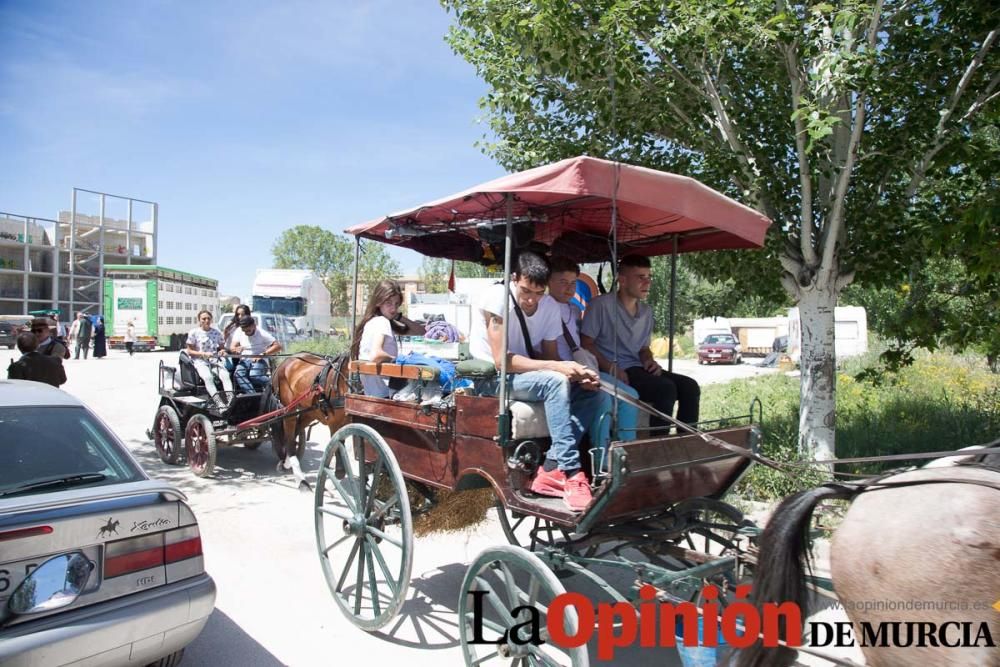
(657, 512)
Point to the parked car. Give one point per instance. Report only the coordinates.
(8, 334)
(720, 348)
(99, 564)
(281, 327)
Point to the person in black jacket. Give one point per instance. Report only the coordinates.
(34, 365)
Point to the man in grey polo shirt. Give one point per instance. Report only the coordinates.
(631, 360)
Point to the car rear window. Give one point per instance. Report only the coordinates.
(44, 449)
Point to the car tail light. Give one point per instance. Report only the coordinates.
(182, 544)
(141, 553)
(133, 555)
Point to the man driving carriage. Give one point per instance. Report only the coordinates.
(568, 390)
(253, 345)
(206, 348)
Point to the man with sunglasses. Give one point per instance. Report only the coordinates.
(48, 345)
(629, 358)
(252, 344)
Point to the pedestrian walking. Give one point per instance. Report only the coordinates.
(83, 335)
(130, 338)
(100, 340)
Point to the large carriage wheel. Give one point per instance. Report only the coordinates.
(528, 531)
(712, 525)
(364, 530)
(167, 434)
(512, 577)
(199, 440)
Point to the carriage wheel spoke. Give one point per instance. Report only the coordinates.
(326, 552)
(384, 507)
(335, 512)
(381, 564)
(359, 584)
(479, 661)
(513, 592)
(372, 585)
(539, 657)
(345, 495)
(493, 599)
(347, 567)
(391, 539)
(376, 476)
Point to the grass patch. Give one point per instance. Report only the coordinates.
(942, 402)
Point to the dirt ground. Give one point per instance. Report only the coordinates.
(273, 606)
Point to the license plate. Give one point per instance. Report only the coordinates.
(714, 355)
(12, 574)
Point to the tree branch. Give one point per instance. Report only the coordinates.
(805, 177)
(836, 218)
(942, 128)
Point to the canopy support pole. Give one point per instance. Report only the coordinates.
(673, 298)
(354, 290)
(503, 418)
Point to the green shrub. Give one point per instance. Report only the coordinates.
(329, 347)
(942, 402)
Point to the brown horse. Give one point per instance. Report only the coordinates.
(319, 384)
(919, 550)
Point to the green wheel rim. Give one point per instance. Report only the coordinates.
(512, 577)
(364, 539)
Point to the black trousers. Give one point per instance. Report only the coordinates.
(662, 391)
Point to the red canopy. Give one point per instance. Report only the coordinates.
(567, 206)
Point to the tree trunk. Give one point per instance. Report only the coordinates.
(817, 411)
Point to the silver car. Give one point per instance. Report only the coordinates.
(98, 563)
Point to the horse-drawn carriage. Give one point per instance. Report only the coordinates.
(658, 510)
(188, 420)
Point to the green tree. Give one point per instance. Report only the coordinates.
(434, 272)
(331, 257)
(828, 117)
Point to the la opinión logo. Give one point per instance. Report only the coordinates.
(652, 623)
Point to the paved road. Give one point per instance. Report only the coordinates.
(273, 607)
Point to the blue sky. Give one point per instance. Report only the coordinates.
(240, 119)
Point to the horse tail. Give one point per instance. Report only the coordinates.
(784, 562)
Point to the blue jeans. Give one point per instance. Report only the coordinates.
(252, 375)
(568, 409)
(600, 426)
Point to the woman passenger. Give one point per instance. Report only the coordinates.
(375, 335)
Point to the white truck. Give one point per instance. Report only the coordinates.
(161, 303)
(300, 295)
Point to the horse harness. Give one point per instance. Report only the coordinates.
(335, 366)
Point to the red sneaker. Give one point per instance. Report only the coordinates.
(551, 483)
(577, 494)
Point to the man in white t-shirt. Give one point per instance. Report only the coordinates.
(252, 344)
(567, 389)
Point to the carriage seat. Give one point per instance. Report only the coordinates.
(527, 420)
(189, 377)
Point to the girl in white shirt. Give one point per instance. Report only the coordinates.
(375, 336)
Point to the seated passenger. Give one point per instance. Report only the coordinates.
(562, 289)
(375, 335)
(567, 389)
(252, 344)
(205, 347)
(634, 362)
